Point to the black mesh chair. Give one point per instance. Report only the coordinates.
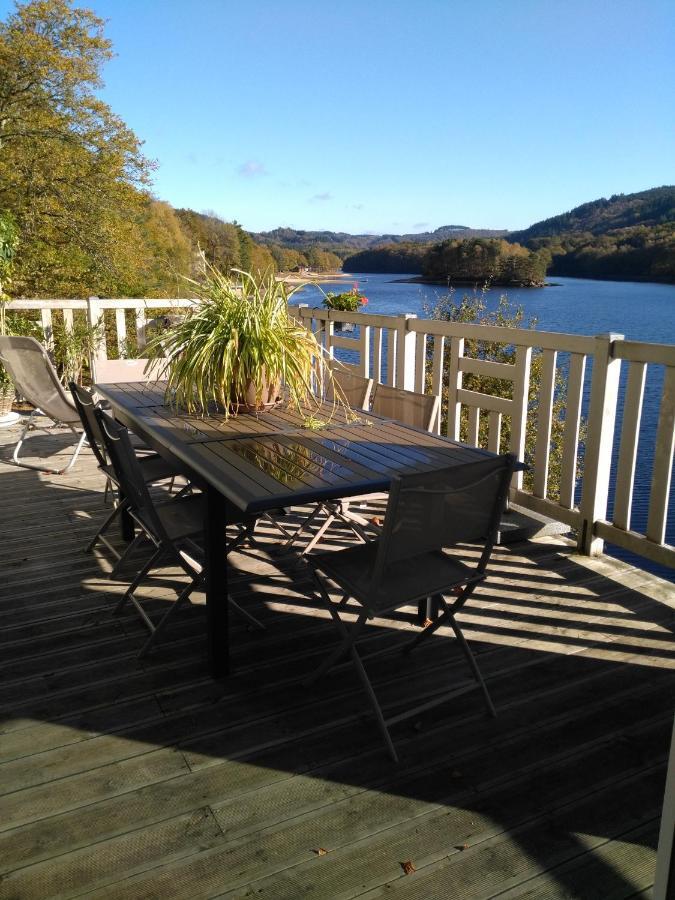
(173, 527)
(427, 514)
(152, 466)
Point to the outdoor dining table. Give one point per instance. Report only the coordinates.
(270, 460)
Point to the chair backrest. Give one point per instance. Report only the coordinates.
(347, 386)
(117, 371)
(439, 509)
(33, 374)
(129, 474)
(409, 407)
(86, 406)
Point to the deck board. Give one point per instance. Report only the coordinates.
(121, 778)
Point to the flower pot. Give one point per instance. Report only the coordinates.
(6, 399)
(249, 402)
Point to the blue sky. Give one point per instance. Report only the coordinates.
(394, 117)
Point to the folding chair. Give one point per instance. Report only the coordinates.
(347, 387)
(152, 466)
(31, 371)
(427, 514)
(173, 527)
(408, 407)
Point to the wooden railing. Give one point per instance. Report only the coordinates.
(429, 355)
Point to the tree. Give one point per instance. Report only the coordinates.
(71, 172)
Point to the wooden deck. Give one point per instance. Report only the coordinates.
(125, 779)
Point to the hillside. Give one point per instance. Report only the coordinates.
(627, 237)
(337, 241)
(652, 207)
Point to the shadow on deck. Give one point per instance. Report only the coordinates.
(123, 778)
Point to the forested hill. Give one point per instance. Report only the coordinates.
(627, 237)
(653, 207)
(337, 241)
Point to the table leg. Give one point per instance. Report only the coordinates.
(217, 606)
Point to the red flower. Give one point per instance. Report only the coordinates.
(364, 300)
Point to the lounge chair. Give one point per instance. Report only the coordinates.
(31, 371)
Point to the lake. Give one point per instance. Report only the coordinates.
(640, 311)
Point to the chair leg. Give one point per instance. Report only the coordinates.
(126, 553)
(319, 534)
(129, 593)
(99, 536)
(302, 527)
(245, 615)
(41, 468)
(73, 458)
(474, 666)
(363, 675)
(155, 629)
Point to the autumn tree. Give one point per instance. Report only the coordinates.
(71, 172)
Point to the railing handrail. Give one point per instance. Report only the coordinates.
(411, 360)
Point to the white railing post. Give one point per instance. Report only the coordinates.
(521, 390)
(598, 455)
(405, 353)
(94, 319)
(454, 386)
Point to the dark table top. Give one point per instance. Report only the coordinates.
(276, 458)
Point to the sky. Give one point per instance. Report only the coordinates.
(370, 116)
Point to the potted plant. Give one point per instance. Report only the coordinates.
(237, 347)
(348, 301)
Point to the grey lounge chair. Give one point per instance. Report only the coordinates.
(426, 515)
(174, 528)
(31, 371)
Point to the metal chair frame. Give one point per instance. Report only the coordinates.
(154, 470)
(376, 595)
(183, 550)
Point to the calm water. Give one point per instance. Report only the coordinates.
(644, 312)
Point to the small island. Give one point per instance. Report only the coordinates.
(459, 261)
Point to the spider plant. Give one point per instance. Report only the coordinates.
(238, 346)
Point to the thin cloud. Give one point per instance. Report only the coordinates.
(321, 198)
(357, 206)
(252, 169)
(421, 225)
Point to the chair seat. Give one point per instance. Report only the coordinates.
(154, 468)
(184, 517)
(404, 581)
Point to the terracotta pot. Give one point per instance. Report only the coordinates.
(271, 396)
(6, 399)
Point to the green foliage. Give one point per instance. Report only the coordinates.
(406, 257)
(240, 336)
(71, 172)
(652, 207)
(479, 260)
(472, 309)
